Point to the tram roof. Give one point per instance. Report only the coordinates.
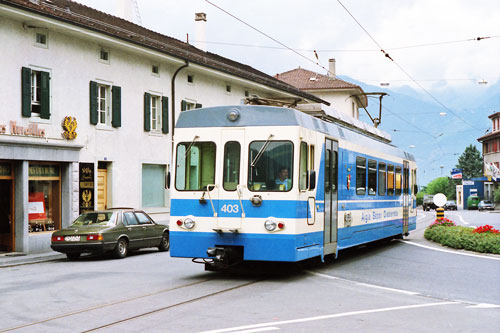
(258, 115)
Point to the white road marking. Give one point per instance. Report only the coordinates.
(258, 330)
(448, 251)
(364, 284)
(483, 306)
(336, 315)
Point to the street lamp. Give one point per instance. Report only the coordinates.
(441, 166)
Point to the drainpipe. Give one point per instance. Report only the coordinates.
(173, 101)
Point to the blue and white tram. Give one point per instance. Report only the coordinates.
(231, 200)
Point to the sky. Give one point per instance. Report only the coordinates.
(327, 27)
(432, 44)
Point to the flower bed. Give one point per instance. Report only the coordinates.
(482, 239)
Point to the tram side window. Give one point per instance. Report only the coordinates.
(382, 180)
(372, 177)
(195, 168)
(231, 173)
(303, 166)
(398, 180)
(270, 166)
(390, 179)
(360, 175)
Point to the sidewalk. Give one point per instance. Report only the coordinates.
(16, 258)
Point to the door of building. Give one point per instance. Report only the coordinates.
(6, 216)
(102, 189)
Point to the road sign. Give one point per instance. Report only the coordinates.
(439, 199)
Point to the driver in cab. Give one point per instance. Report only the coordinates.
(283, 183)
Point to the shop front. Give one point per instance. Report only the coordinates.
(39, 192)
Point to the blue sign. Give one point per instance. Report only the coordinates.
(456, 173)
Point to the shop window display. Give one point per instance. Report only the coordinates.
(44, 199)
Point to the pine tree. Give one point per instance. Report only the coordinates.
(471, 163)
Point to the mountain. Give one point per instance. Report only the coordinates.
(414, 120)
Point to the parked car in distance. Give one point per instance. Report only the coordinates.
(486, 205)
(428, 202)
(450, 205)
(473, 202)
(113, 230)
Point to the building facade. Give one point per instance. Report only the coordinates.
(491, 156)
(89, 103)
(345, 97)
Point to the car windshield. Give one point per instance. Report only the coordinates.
(487, 202)
(96, 218)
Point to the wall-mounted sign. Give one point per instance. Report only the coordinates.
(5, 169)
(69, 125)
(456, 173)
(41, 170)
(86, 187)
(31, 130)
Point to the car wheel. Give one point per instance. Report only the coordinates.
(165, 243)
(121, 248)
(73, 255)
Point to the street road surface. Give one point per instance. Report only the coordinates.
(411, 285)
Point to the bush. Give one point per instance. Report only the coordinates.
(464, 238)
(496, 195)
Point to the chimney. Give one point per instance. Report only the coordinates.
(128, 10)
(200, 24)
(331, 69)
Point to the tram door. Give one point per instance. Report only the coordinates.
(230, 213)
(406, 196)
(331, 196)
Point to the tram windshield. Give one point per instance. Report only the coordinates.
(195, 167)
(270, 166)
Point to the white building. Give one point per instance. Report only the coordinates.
(89, 101)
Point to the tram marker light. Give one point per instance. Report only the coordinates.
(233, 115)
(281, 225)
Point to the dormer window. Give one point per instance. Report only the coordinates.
(190, 79)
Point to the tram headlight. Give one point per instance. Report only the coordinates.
(189, 223)
(270, 225)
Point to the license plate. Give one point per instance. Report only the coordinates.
(72, 238)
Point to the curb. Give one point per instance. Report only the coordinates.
(17, 258)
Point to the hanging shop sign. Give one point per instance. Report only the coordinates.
(30, 130)
(86, 187)
(69, 126)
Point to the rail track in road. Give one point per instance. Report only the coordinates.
(40, 323)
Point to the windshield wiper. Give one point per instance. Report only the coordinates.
(191, 145)
(261, 151)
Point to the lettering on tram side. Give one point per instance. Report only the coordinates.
(377, 215)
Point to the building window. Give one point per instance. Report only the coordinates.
(103, 104)
(104, 56)
(155, 70)
(153, 185)
(35, 91)
(190, 78)
(44, 197)
(189, 105)
(228, 89)
(353, 110)
(155, 114)
(247, 93)
(41, 39)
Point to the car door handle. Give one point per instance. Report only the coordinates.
(129, 229)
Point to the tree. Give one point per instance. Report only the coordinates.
(443, 185)
(471, 163)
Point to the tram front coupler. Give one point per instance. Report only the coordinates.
(223, 257)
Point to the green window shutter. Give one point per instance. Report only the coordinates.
(45, 95)
(26, 92)
(183, 105)
(198, 106)
(147, 112)
(93, 103)
(116, 118)
(164, 115)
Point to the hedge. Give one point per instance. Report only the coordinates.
(464, 238)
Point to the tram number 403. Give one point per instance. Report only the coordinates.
(230, 209)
